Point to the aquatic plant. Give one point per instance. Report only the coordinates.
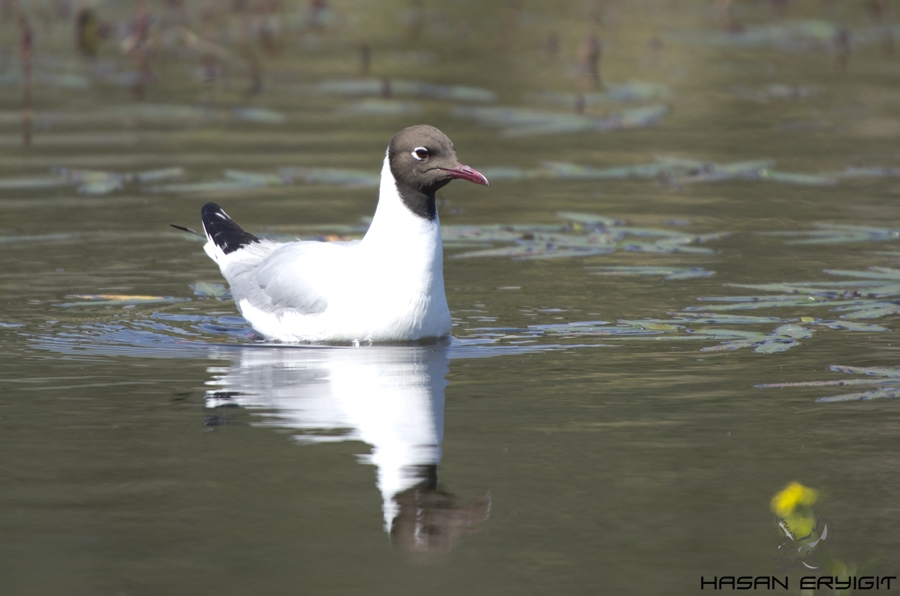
(517, 122)
(585, 235)
(886, 381)
(832, 233)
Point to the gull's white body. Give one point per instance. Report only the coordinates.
(389, 286)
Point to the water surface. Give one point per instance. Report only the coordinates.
(152, 445)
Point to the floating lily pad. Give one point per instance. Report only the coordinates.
(563, 253)
(834, 383)
(753, 299)
(863, 396)
(871, 311)
(775, 346)
(790, 35)
(654, 325)
(730, 333)
(259, 115)
(91, 182)
(84, 176)
(518, 122)
(34, 183)
(872, 273)
(634, 91)
(157, 175)
(852, 172)
(878, 371)
(581, 172)
(848, 325)
(671, 170)
(381, 107)
(211, 186)
(887, 379)
(776, 91)
(589, 218)
(254, 178)
(505, 173)
(796, 178)
(506, 251)
(668, 273)
(337, 176)
(684, 327)
(100, 187)
(781, 339)
(389, 88)
(588, 235)
(665, 247)
(840, 234)
(793, 331)
(785, 336)
(17, 238)
(209, 290)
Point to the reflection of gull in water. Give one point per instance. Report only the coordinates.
(389, 397)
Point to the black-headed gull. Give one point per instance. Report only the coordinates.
(389, 286)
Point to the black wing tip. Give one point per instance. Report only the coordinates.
(223, 231)
(209, 208)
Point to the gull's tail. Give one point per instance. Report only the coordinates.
(224, 235)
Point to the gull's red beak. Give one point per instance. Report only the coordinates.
(467, 173)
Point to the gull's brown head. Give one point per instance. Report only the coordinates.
(423, 160)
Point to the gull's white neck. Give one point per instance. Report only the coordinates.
(402, 267)
(394, 225)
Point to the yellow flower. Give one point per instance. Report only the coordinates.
(786, 501)
(800, 525)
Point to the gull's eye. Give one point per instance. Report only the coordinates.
(420, 153)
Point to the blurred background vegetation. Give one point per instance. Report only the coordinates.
(252, 51)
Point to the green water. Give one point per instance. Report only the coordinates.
(576, 463)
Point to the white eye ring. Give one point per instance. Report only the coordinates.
(420, 153)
